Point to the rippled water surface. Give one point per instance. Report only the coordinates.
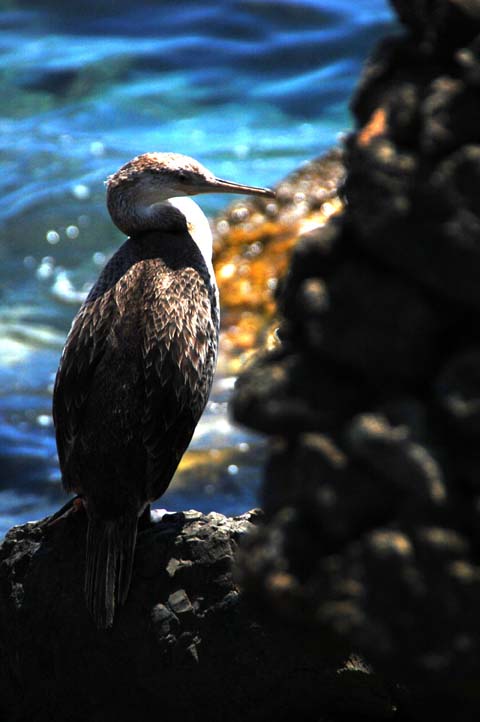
(251, 88)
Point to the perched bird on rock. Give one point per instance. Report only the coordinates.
(138, 363)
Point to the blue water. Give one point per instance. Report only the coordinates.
(251, 88)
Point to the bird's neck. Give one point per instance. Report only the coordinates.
(197, 226)
(173, 216)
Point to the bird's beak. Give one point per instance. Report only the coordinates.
(218, 185)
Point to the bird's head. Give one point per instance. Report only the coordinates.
(150, 179)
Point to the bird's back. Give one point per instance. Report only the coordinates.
(136, 372)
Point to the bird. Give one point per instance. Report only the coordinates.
(137, 367)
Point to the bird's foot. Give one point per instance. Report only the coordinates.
(71, 507)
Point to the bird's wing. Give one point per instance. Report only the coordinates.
(83, 350)
(179, 354)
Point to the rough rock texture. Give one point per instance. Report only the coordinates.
(372, 488)
(183, 647)
(253, 240)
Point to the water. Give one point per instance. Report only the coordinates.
(252, 88)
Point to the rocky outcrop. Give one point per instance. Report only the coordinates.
(371, 491)
(253, 240)
(184, 646)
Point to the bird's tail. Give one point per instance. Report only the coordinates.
(109, 563)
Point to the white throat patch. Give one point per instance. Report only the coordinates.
(198, 227)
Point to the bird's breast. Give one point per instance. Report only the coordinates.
(198, 228)
(172, 313)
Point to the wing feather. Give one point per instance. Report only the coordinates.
(180, 346)
(81, 355)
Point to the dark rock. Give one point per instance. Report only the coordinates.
(291, 393)
(394, 81)
(450, 116)
(393, 452)
(371, 491)
(456, 181)
(458, 389)
(179, 602)
(413, 165)
(184, 643)
(316, 477)
(440, 25)
(379, 186)
(378, 324)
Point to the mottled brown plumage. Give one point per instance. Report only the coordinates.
(141, 352)
(138, 364)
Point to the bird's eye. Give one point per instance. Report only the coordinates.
(182, 176)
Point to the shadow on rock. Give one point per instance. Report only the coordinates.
(371, 490)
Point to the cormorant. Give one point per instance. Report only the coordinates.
(138, 363)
